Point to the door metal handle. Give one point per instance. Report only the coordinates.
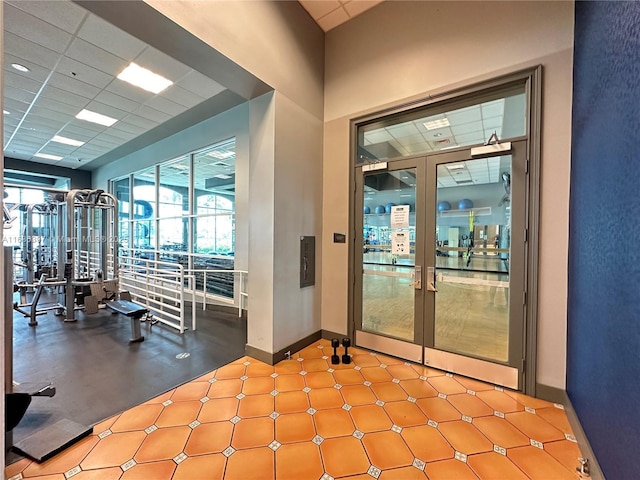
(417, 278)
(431, 279)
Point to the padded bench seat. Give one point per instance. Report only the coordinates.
(132, 310)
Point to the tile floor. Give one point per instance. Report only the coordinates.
(304, 418)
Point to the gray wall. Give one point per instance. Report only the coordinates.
(78, 178)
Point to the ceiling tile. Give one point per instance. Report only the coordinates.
(15, 107)
(35, 73)
(50, 114)
(129, 91)
(54, 105)
(467, 128)
(142, 122)
(403, 130)
(121, 103)
(470, 138)
(152, 114)
(197, 83)
(83, 72)
(129, 126)
(159, 63)
(64, 97)
(96, 57)
(64, 15)
(319, 8)
(72, 85)
(333, 19)
(24, 25)
(493, 109)
(105, 109)
(466, 115)
(16, 81)
(78, 132)
(34, 53)
(357, 7)
(104, 35)
(166, 106)
(179, 95)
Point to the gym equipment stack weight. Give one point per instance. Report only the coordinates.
(335, 359)
(346, 343)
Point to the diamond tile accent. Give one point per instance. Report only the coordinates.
(500, 450)
(346, 407)
(324, 357)
(240, 396)
(442, 395)
(317, 439)
(571, 438)
(104, 434)
(537, 444)
(74, 471)
(383, 365)
(194, 424)
(181, 457)
(227, 452)
(467, 418)
(450, 375)
(337, 386)
(247, 363)
(150, 429)
(330, 370)
(235, 419)
(530, 410)
(471, 392)
(274, 392)
(273, 375)
(275, 445)
(396, 428)
(419, 464)
(16, 477)
(128, 465)
(499, 389)
(326, 476)
(432, 423)
(357, 367)
(374, 472)
(422, 377)
(395, 380)
(213, 380)
(411, 399)
(461, 457)
(167, 403)
(303, 373)
(205, 399)
(243, 377)
(358, 434)
(311, 410)
(300, 359)
(306, 389)
(380, 403)
(498, 414)
(367, 383)
(559, 405)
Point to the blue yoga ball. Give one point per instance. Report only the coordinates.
(379, 209)
(387, 207)
(465, 204)
(444, 206)
(367, 210)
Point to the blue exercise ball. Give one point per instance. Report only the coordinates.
(444, 206)
(367, 210)
(387, 207)
(379, 209)
(465, 204)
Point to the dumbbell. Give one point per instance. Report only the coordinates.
(346, 343)
(335, 359)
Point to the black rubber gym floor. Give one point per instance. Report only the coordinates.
(97, 373)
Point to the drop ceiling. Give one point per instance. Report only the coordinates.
(331, 13)
(73, 57)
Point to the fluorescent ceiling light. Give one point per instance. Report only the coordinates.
(218, 154)
(94, 117)
(47, 156)
(20, 68)
(67, 141)
(456, 166)
(222, 176)
(6, 112)
(433, 124)
(143, 78)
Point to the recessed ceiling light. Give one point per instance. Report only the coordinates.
(20, 68)
(433, 124)
(143, 78)
(6, 112)
(47, 156)
(67, 141)
(439, 134)
(94, 117)
(455, 166)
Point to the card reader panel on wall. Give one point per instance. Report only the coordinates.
(307, 261)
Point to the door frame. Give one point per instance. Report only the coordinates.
(444, 98)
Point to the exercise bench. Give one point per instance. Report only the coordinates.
(132, 310)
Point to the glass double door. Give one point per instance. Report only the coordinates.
(440, 272)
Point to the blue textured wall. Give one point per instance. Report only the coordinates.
(603, 364)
